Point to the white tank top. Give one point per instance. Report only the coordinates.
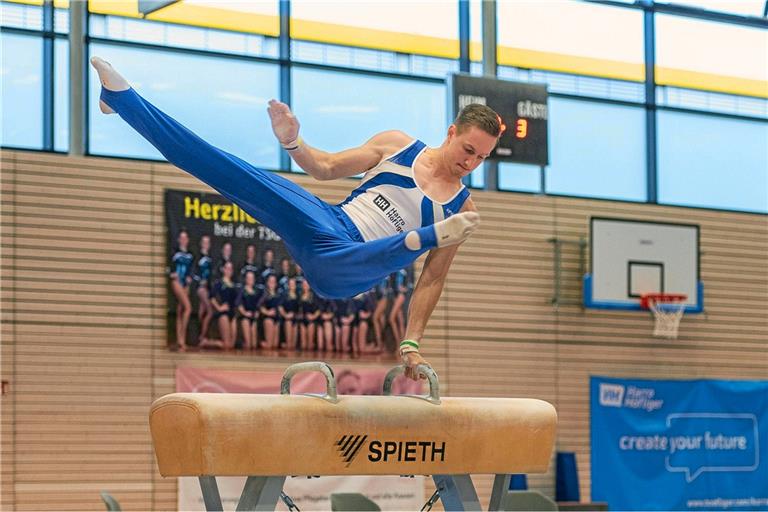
(388, 201)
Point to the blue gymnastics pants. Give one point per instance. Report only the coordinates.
(336, 260)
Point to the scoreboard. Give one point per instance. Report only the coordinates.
(523, 110)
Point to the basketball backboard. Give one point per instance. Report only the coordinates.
(629, 258)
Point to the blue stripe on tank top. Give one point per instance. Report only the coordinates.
(427, 213)
(407, 156)
(454, 206)
(385, 178)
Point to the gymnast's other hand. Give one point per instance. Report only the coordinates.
(411, 360)
(284, 123)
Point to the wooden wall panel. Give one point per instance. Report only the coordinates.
(84, 337)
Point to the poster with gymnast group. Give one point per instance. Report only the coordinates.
(213, 246)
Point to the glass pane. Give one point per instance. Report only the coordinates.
(476, 35)
(712, 101)
(250, 17)
(61, 20)
(377, 60)
(742, 7)
(418, 27)
(570, 37)
(61, 96)
(349, 108)
(222, 100)
(22, 105)
(590, 86)
(21, 16)
(596, 150)
(713, 162)
(477, 178)
(701, 54)
(519, 177)
(183, 36)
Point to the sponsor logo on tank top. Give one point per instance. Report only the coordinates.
(381, 202)
(391, 212)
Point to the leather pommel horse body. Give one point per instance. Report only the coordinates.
(269, 437)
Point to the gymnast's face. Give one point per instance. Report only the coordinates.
(466, 149)
(183, 240)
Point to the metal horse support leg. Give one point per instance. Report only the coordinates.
(261, 493)
(457, 492)
(210, 493)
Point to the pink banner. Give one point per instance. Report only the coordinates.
(349, 381)
(390, 493)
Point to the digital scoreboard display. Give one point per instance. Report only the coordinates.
(523, 110)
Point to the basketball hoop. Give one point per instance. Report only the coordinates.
(668, 309)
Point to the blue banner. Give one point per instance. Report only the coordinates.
(679, 444)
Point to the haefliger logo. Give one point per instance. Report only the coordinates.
(349, 447)
(381, 202)
(631, 397)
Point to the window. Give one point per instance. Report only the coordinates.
(422, 28)
(183, 36)
(246, 17)
(22, 105)
(519, 177)
(222, 100)
(596, 150)
(61, 95)
(741, 7)
(570, 37)
(713, 162)
(333, 119)
(698, 54)
(21, 16)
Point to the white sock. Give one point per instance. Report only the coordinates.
(450, 231)
(457, 228)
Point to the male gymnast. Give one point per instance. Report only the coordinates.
(411, 199)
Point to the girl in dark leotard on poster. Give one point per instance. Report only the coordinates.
(203, 277)
(248, 309)
(268, 308)
(289, 309)
(224, 258)
(345, 316)
(250, 263)
(224, 299)
(382, 295)
(181, 276)
(396, 315)
(325, 340)
(366, 303)
(310, 313)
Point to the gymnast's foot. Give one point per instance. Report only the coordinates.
(451, 231)
(110, 79)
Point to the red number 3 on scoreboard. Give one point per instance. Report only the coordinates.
(522, 128)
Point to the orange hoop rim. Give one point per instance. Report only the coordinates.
(661, 298)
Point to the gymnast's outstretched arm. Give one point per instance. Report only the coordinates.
(322, 165)
(427, 292)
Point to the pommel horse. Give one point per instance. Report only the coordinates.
(270, 437)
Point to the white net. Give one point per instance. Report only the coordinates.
(668, 313)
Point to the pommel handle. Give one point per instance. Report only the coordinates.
(422, 369)
(311, 366)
